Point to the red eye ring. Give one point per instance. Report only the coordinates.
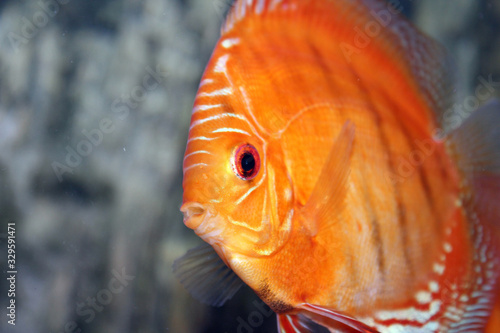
(246, 162)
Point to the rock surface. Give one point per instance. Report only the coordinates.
(95, 102)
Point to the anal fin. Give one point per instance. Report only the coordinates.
(288, 323)
(309, 318)
(334, 320)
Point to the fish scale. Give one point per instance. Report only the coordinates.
(447, 301)
(358, 214)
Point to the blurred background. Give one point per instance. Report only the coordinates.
(95, 101)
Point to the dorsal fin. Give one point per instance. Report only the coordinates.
(428, 61)
(244, 8)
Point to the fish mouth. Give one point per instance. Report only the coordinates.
(194, 214)
(200, 218)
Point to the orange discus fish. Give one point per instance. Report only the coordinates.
(324, 169)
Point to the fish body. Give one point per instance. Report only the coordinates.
(320, 169)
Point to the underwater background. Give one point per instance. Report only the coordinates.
(95, 103)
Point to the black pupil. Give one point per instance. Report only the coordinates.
(247, 162)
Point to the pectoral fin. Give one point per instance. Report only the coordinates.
(327, 197)
(203, 273)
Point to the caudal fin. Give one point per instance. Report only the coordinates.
(476, 144)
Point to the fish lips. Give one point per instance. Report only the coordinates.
(200, 218)
(194, 214)
(203, 220)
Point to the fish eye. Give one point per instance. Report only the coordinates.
(246, 162)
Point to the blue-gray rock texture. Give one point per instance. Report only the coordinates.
(95, 101)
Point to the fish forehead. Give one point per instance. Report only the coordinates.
(272, 81)
(275, 67)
